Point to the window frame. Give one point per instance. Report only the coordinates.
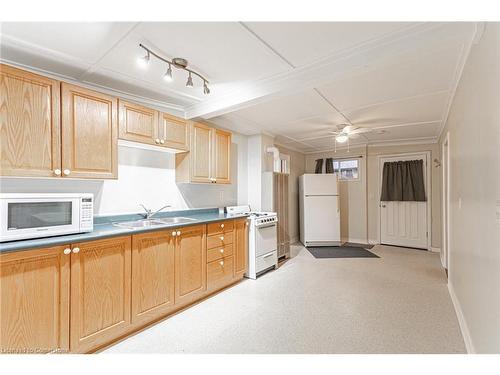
(338, 171)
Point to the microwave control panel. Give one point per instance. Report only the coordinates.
(86, 214)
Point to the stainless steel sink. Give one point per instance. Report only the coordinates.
(150, 223)
(146, 223)
(175, 220)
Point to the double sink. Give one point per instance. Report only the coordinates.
(150, 223)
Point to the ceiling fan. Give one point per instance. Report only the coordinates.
(343, 134)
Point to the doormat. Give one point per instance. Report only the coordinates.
(341, 252)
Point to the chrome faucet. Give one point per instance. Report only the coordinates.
(149, 213)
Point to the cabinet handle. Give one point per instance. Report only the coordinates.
(221, 251)
(157, 141)
(221, 263)
(174, 233)
(57, 172)
(222, 225)
(76, 250)
(162, 141)
(178, 232)
(66, 172)
(67, 251)
(222, 238)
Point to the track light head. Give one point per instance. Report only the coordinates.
(189, 82)
(206, 90)
(168, 74)
(143, 61)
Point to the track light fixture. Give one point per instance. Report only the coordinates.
(168, 74)
(189, 82)
(178, 63)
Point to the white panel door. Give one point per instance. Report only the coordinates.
(404, 223)
(322, 218)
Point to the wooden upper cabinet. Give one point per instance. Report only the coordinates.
(240, 247)
(190, 264)
(34, 295)
(30, 143)
(201, 153)
(138, 123)
(222, 157)
(89, 133)
(100, 292)
(175, 132)
(153, 259)
(209, 157)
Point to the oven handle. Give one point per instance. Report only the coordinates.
(267, 226)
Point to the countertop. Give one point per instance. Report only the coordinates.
(104, 228)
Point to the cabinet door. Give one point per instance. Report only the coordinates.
(30, 143)
(34, 290)
(190, 264)
(100, 292)
(152, 275)
(174, 132)
(222, 157)
(89, 133)
(138, 123)
(240, 247)
(201, 153)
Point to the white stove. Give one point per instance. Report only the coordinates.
(262, 240)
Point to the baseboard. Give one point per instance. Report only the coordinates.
(373, 242)
(461, 321)
(435, 249)
(294, 240)
(357, 240)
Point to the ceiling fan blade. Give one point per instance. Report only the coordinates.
(348, 129)
(361, 130)
(353, 135)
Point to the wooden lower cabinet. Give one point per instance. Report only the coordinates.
(81, 297)
(100, 292)
(240, 245)
(34, 301)
(153, 259)
(190, 264)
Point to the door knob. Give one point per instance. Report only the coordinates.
(221, 251)
(162, 141)
(157, 141)
(222, 238)
(221, 263)
(67, 251)
(57, 172)
(174, 233)
(66, 172)
(76, 250)
(222, 225)
(178, 232)
(383, 206)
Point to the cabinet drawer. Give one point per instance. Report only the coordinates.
(220, 272)
(218, 240)
(219, 252)
(220, 227)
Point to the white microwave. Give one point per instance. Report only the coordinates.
(24, 216)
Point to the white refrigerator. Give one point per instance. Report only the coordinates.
(319, 210)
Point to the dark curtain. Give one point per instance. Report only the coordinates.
(319, 166)
(403, 181)
(329, 165)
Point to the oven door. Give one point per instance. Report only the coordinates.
(23, 218)
(266, 239)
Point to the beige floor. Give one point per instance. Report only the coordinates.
(398, 303)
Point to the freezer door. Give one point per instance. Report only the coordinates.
(321, 218)
(320, 184)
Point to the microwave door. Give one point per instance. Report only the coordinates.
(25, 218)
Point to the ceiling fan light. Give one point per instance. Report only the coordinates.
(143, 61)
(341, 138)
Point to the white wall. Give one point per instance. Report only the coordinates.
(474, 254)
(147, 177)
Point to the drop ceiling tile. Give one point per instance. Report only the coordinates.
(87, 41)
(425, 130)
(304, 42)
(406, 75)
(418, 109)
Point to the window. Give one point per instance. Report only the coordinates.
(348, 170)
